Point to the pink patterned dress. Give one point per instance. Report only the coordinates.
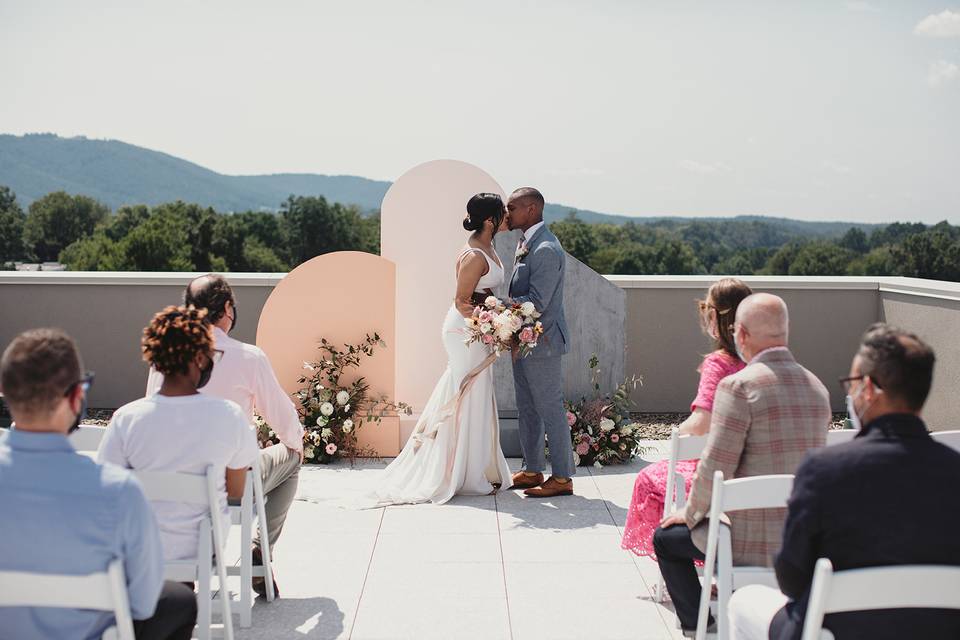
(646, 506)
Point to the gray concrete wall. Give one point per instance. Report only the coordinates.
(935, 317)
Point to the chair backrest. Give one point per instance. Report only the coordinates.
(180, 487)
(754, 492)
(104, 591)
(839, 436)
(87, 437)
(682, 447)
(949, 438)
(893, 587)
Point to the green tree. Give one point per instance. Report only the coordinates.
(95, 253)
(895, 233)
(12, 220)
(855, 240)
(933, 254)
(312, 227)
(878, 262)
(821, 258)
(576, 236)
(58, 219)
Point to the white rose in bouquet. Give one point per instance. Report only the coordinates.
(326, 409)
(607, 424)
(343, 398)
(347, 425)
(528, 309)
(491, 302)
(486, 327)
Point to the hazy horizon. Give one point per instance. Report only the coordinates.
(819, 111)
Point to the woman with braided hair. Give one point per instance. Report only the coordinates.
(179, 429)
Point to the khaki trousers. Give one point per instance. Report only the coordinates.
(280, 473)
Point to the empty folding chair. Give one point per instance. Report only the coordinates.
(893, 587)
(754, 492)
(105, 591)
(839, 436)
(199, 490)
(252, 508)
(87, 437)
(949, 438)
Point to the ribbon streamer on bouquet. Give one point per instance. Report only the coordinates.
(452, 408)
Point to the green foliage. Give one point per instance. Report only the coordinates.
(312, 226)
(820, 259)
(12, 220)
(57, 220)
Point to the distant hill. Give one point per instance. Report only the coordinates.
(117, 173)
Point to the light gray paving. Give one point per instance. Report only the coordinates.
(485, 567)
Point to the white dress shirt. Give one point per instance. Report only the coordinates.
(245, 376)
(532, 230)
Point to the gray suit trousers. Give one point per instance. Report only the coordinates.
(538, 384)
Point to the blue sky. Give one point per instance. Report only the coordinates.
(814, 110)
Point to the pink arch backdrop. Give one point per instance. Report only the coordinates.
(421, 232)
(341, 297)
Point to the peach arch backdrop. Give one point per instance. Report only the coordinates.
(341, 297)
(421, 231)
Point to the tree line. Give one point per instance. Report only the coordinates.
(85, 235)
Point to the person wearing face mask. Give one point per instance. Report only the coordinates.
(765, 418)
(888, 497)
(63, 513)
(178, 428)
(245, 376)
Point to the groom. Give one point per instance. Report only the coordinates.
(538, 278)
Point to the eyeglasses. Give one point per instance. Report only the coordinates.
(845, 382)
(85, 383)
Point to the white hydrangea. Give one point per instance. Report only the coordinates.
(491, 302)
(607, 424)
(347, 425)
(576, 459)
(343, 398)
(326, 409)
(528, 308)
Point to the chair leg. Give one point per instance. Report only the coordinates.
(204, 613)
(246, 568)
(264, 540)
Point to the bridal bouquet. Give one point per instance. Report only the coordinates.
(502, 327)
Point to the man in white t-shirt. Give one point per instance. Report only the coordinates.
(246, 377)
(180, 430)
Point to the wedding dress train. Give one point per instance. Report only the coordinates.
(455, 447)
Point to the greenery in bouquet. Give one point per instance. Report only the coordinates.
(601, 430)
(332, 410)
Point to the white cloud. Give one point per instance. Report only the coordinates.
(941, 72)
(836, 167)
(939, 25)
(705, 168)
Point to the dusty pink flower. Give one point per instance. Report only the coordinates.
(331, 449)
(487, 339)
(615, 438)
(571, 418)
(527, 335)
(583, 448)
(485, 316)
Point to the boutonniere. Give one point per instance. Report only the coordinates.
(521, 254)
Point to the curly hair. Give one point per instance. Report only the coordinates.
(174, 337)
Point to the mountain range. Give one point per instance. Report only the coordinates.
(117, 173)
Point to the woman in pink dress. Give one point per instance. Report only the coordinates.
(717, 314)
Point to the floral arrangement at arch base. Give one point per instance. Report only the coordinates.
(332, 411)
(601, 430)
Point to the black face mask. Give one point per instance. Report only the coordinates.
(233, 322)
(205, 374)
(80, 416)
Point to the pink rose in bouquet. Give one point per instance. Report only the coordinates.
(571, 418)
(583, 448)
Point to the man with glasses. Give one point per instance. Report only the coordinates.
(765, 417)
(888, 497)
(178, 429)
(62, 513)
(247, 378)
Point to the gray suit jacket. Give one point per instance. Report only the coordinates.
(538, 278)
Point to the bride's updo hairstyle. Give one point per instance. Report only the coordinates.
(483, 207)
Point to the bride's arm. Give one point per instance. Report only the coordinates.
(469, 272)
(697, 424)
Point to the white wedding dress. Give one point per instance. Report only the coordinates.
(446, 456)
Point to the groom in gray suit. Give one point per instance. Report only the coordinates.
(538, 278)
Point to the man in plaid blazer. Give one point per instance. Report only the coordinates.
(765, 418)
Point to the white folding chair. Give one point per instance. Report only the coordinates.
(949, 438)
(892, 587)
(754, 492)
(105, 591)
(87, 437)
(252, 507)
(199, 490)
(686, 447)
(839, 436)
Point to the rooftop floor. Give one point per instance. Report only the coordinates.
(487, 567)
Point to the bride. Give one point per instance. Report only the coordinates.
(455, 447)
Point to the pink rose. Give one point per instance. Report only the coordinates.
(486, 316)
(615, 438)
(487, 339)
(527, 335)
(571, 418)
(331, 449)
(583, 448)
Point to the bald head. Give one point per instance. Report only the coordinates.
(213, 293)
(762, 322)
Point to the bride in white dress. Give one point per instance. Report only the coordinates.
(455, 450)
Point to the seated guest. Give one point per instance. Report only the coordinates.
(765, 417)
(179, 429)
(65, 514)
(717, 314)
(246, 377)
(887, 497)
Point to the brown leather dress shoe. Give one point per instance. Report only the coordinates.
(523, 481)
(552, 487)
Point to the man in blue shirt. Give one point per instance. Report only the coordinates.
(62, 513)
